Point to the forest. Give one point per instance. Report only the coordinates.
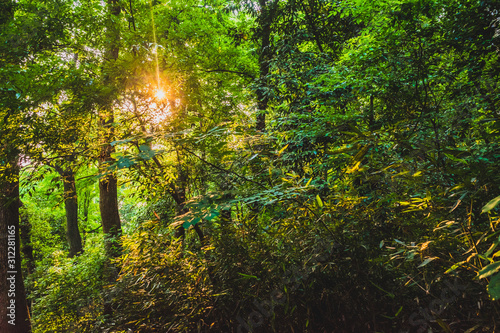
(249, 166)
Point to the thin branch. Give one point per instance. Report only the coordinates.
(224, 170)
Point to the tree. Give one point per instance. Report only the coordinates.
(71, 207)
(108, 192)
(14, 315)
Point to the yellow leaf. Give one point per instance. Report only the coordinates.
(470, 257)
(354, 168)
(318, 200)
(425, 245)
(309, 182)
(282, 150)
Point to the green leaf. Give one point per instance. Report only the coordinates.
(210, 216)
(399, 311)
(489, 270)
(117, 142)
(246, 276)
(490, 205)
(492, 248)
(426, 261)
(146, 152)
(455, 159)
(391, 295)
(125, 162)
(399, 242)
(454, 267)
(494, 287)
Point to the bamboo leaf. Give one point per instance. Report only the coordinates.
(489, 270)
(282, 150)
(246, 276)
(309, 182)
(490, 205)
(318, 201)
(426, 261)
(454, 267)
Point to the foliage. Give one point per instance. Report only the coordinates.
(66, 293)
(332, 164)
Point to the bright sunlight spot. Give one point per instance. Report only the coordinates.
(160, 94)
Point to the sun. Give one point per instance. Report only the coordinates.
(160, 94)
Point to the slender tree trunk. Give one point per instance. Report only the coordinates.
(179, 195)
(108, 205)
(108, 184)
(85, 213)
(14, 314)
(108, 190)
(110, 218)
(86, 204)
(71, 205)
(180, 200)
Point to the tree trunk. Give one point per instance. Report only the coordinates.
(85, 213)
(108, 204)
(14, 314)
(108, 191)
(180, 200)
(71, 205)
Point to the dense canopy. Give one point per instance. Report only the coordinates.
(249, 166)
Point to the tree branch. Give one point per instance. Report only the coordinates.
(230, 71)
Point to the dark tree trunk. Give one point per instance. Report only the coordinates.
(14, 314)
(108, 184)
(110, 219)
(180, 199)
(108, 204)
(179, 195)
(108, 191)
(71, 205)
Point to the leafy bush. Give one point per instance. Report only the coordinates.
(66, 292)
